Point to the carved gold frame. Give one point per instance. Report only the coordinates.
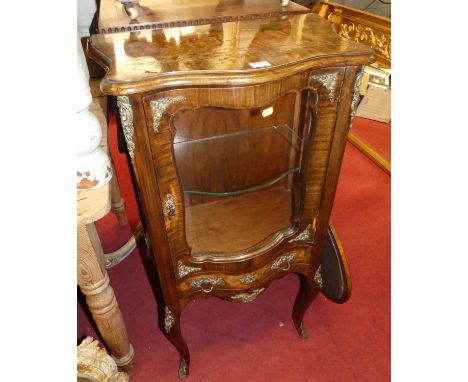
(360, 26)
(366, 28)
(95, 365)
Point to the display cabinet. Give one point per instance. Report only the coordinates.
(235, 132)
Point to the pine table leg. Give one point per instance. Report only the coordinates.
(94, 283)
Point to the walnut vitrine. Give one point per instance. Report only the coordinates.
(236, 133)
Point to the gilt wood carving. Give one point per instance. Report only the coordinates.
(360, 26)
(95, 365)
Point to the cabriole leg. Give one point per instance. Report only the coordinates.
(168, 314)
(308, 290)
(170, 322)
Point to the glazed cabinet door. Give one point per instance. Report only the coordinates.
(240, 170)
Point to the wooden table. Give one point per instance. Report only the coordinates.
(157, 14)
(92, 276)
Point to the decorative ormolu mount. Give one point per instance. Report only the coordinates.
(328, 80)
(248, 279)
(184, 270)
(212, 281)
(126, 117)
(303, 236)
(248, 297)
(159, 107)
(169, 207)
(183, 369)
(283, 259)
(168, 320)
(356, 95)
(318, 277)
(302, 331)
(147, 239)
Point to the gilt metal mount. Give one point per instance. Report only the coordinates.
(247, 297)
(184, 270)
(159, 107)
(170, 207)
(248, 279)
(318, 277)
(168, 319)
(126, 118)
(211, 281)
(304, 235)
(183, 369)
(328, 80)
(283, 259)
(356, 96)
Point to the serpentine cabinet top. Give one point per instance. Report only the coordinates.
(229, 54)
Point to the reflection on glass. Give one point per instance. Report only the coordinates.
(236, 169)
(242, 138)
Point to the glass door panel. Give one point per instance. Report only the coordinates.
(236, 169)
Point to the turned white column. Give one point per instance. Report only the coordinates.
(93, 172)
(85, 13)
(93, 165)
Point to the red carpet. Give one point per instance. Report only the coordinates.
(375, 134)
(257, 341)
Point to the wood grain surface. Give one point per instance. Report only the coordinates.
(221, 226)
(195, 85)
(100, 298)
(221, 54)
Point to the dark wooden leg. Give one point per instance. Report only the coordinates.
(308, 290)
(118, 204)
(170, 323)
(168, 316)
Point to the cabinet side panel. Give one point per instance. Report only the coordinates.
(338, 144)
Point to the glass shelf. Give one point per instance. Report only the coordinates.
(245, 190)
(284, 130)
(236, 170)
(229, 159)
(245, 137)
